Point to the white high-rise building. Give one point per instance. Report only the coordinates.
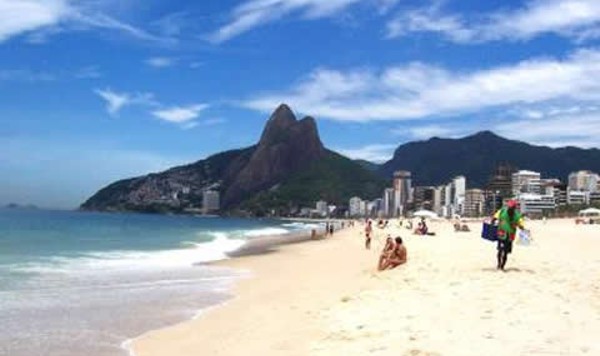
(354, 206)
(458, 200)
(526, 182)
(322, 208)
(536, 204)
(388, 202)
(474, 202)
(584, 181)
(402, 191)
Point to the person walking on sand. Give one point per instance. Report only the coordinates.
(368, 232)
(397, 257)
(509, 218)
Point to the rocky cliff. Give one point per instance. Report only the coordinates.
(287, 169)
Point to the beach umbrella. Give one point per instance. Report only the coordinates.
(425, 214)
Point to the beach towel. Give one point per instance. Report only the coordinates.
(489, 232)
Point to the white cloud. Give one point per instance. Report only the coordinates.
(42, 18)
(22, 16)
(116, 101)
(161, 62)
(418, 90)
(373, 153)
(180, 114)
(254, 13)
(582, 130)
(576, 19)
(90, 72)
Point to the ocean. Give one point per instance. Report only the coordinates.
(79, 283)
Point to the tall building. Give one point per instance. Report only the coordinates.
(438, 199)
(555, 188)
(388, 202)
(423, 197)
(460, 186)
(474, 202)
(322, 208)
(526, 182)
(584, 181)
(577, 197)
(354, 206)
(210, 201)
(402, 191)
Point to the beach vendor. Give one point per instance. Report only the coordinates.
(508, 218)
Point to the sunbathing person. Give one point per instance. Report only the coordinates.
(397, 257)
(385, 253)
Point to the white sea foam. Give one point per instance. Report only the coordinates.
(214, 250)
(268, 231)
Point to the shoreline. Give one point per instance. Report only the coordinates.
(298, 302)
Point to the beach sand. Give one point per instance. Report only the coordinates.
(326, 298)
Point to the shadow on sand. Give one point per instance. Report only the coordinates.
(509, 269)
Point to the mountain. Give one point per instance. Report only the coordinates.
(438, 160)
(289, 168)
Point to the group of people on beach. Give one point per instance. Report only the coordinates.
(508, 219)
(393, 253)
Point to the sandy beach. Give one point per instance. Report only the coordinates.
(325, 297)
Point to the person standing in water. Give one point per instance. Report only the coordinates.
(509, 218)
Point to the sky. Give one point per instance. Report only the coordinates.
(92, 91)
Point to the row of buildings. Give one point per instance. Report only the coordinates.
(536, 195)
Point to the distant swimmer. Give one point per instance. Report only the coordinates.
(509, 218)
(368, 232)
(397, 257)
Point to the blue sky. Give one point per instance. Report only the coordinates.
(97, 90)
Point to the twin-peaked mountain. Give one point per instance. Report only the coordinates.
(289, 168)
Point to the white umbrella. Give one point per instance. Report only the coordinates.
(426, 214)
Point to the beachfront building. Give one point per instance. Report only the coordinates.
(526, 182)
(388, 202)
(437, 199)
(423, 197)
(594, 198)
(536, 204)
(474, 202)
(499, 187)
(453, 197)
(354, 207)
(584, 181)
(555, 188)
(210, 201)
(402, 185)
(321, 208)
(577, 197)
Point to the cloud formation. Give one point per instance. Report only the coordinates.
(254, 13)
(181, 114)
(377, 153)
(418, 90)
(42, 18)
(575, 19)
(115, 101)
(161, 62)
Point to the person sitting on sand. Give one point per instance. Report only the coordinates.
(368, 231)
(386, 252)
(397, 257)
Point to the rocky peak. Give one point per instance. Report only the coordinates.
(286, 146)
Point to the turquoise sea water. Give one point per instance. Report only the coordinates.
(74, 283)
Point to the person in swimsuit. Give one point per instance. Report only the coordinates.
(398, 256)
(368, 231)
(386, 252)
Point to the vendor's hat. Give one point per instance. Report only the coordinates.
(511, 203)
